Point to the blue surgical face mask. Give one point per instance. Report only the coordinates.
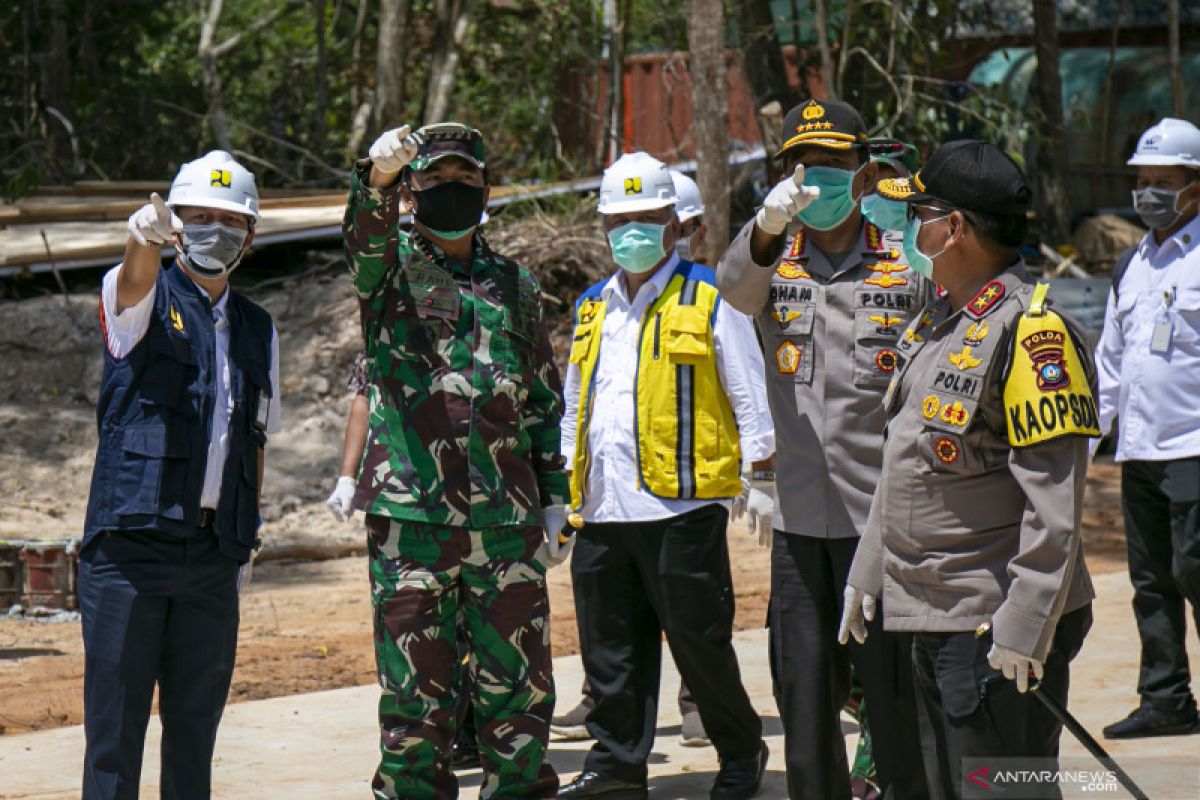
(918, 261)
(637, 246)
(836, 202)
(890, 215)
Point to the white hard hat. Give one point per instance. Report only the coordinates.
(689, 204)
(1170, 142)
(215, 180)
(636, 182)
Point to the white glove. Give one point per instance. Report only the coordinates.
(554, 527)
(857, 611)
(392, 151)
(1014, 666)
(760, 506)
(784, 202)
(154, 224)
(341, 501)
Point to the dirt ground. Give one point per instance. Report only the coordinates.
(306, 626)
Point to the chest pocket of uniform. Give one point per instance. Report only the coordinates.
(876, 357)
(683, 332)
(1186, 332)
(946, 452)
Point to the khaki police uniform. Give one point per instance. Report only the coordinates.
(830, 334)
(977, 515)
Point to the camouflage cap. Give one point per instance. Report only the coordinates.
(448, 139)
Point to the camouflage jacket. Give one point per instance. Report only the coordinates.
(465, 399)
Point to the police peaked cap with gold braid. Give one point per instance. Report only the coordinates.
(832, 125)
(965, 174)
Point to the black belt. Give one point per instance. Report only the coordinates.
(207, 515)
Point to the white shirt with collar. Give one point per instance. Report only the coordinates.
(126, 329)
(614, 492)
(1153, 391)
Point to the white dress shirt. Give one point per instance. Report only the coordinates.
(126, 329)
(1154, 390)
(614, 491)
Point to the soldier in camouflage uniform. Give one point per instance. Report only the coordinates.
(461, 475)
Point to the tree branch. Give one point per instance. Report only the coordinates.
(259, 24)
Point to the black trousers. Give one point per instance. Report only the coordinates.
(634, 582)
(811, 673)
(969, 710)
(156, 610)
(1161, 501)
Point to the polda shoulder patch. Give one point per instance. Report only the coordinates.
(1046, 393)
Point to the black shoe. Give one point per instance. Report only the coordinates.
(740, 778)
(593, 784)
(464, 755)
(1147, 721)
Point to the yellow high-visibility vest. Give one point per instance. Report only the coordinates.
(687, 437)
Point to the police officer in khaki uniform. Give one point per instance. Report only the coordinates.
(831, 294)
(973, 539)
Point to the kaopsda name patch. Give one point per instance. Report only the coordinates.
(1047, 394)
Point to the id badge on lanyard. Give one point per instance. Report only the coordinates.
(1160, 338)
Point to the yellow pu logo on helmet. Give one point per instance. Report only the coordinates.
(221, 179)
(633, 185)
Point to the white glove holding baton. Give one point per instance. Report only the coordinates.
(858, 609)
(394, 149)
(560, 539)
(784, 202)
(759, 507)
(154, 224)
(341, 502)
(1014, 665)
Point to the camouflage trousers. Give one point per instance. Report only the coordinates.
(422, 578)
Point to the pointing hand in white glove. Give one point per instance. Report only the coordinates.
(858, 609)
(341, 502)
(154, 224)
(392, 151)
(559, 538)
(1014, 666)
(784, 202)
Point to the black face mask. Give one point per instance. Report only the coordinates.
(450, 210)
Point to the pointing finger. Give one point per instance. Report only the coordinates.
(798, 175)
(160, 208)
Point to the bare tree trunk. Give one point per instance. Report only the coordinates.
(1051, 172)
(822, 30)
(218, 121)
(356, 53)
(614, 52)
(389, 63)
(453, 19)
(321, 102)
(1102, 155)
(706, 29)
(1173, 51)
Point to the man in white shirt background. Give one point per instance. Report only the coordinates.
(1148, 361)
(189, 392)
(665, 411)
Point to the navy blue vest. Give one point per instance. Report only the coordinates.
(155, 417)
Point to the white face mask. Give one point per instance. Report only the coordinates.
(212, 250)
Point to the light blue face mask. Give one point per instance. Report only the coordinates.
(918, 261)
(836, 202)
(637, 246)
(890, 215)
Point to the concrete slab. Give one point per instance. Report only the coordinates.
(323, 745)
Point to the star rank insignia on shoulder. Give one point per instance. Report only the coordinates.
(981, 304)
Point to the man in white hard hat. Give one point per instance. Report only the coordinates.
(664, 403)
(1149, 373)
(189, 393)
(693, 233)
